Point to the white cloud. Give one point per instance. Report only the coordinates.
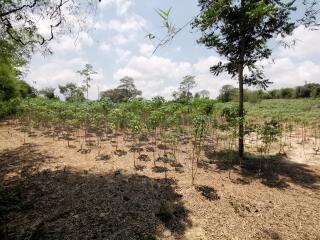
(105, 47)
(204, 64)
(146, 49)
(55, 72)
(120, 39)
(122, 55)
(71, 43)
(130, 24)
(307, 44)
(287, 73)
(58, 72)
(122, 6)
(161, 76)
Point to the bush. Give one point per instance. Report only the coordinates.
(10, 107)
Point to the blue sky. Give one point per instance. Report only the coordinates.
(114, 43)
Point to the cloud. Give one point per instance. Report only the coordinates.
(120, 39)
(58, 72)
(122, 54)
(105, 47)
(307, 44)
(146, 49)
(161, 76)
(132, 23)
(55, 72)
(71, 43)
(122, 6)
(286, 72)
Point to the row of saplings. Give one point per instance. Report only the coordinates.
(167, 135)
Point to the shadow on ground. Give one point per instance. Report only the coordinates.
(275, 171)
(65, 204)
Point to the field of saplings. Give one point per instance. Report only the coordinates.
(155, 169)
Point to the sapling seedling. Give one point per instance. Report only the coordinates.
(199, 124)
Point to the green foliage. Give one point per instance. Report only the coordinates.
(184, 94)
(240, 30)
(165, 14)
(9, 107)
(11, 61)
(125, 91)
(229, 93)
(294, 109)
(72, 92)
(48, 93)
(199, 123)
(268, 133)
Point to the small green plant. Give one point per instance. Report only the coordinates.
(268, 134)
(199, 124)
(135, 126)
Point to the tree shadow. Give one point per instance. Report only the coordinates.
(159, 169)
(275, 171)
(223, 159)
(68, 204)
(208, 192)
(15, 163)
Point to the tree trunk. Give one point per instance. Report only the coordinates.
(241, 82)
(241, 114)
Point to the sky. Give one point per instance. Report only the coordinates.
(115, 43)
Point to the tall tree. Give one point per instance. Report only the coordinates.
(226, 93)
(239, 30)
(203, 94)
(184, 93)
(86, 73)
(128, 84)
(48, 92)
(126, 90)
(187, 84)
(72, 92)
(12, 60)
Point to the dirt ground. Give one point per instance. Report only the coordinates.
(50, 190)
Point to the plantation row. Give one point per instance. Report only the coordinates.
(168, 127)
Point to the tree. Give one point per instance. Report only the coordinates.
(227, 93)
(19, 20)
(184, 94)
(86, 73)
(127, 83)
(72, 92)
(48, 92)
(311, 14)
(239, 31)
(186, 85)
(115, 95)
(11, 61)
(125, 91)
(202, 94)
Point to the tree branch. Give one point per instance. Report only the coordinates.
(19, 9)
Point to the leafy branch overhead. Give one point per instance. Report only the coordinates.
(172, 30)
(164, 14)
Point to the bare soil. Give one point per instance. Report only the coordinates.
(50, 190)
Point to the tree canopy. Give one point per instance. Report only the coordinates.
(239, 31)
(125, 91)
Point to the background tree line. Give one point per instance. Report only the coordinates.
(229, 93)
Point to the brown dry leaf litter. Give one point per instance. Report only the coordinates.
(52, 191)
